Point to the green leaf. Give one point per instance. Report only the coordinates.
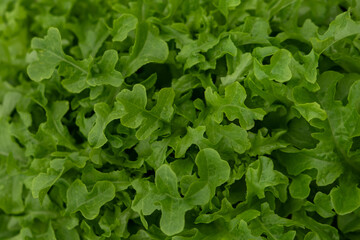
(323, 205)
(122, 26)
(232, 104)
(342, 27)
(242, 62)
(224, 6)
(104, 72)
(180, 119)
(42, 183)
(299, 186)
(242, 231)
(137, 116)
(148, 48)
(89, 203)
(272, 225)
(278, 69)
(225, 46)
(49, 56)
(327, 164)
(193, 136)
(104, 115)
(54, 126)
(134, 116)
(156, 153)
(192, 52)
(224, 212)
(310, 111)
(346, 197)
(90, 176)
(323, 231)
(166, 181)
(349, 222)
(211, 168)
(263, 143)
(90, 36)
(261, 176)
(173, 208)
(145, 198)
(11, 185)
(7, 143)
(235, 136)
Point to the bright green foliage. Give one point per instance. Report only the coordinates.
(134, 103)
(261, 176)
(89, 203)
(49, 55)
(180, 119)
(104, 72)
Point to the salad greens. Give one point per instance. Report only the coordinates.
(180, 119)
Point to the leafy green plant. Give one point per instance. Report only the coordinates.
(180, 119)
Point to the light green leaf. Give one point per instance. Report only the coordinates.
(213, 171)
(327, 164)
(54, 126)
(261, 176)
(309, 111)
(263, 143)
(234, 135)
(42, 183)
(243, 63)
(104, 115)
(232, 104)
(278, 69)
(145, 198)
(91, 36)
(172, 220)
(299, 186)
(166, 181)
(89, 203)
(324, 231)
(323, 205)
(224, 5)
(342, 27)
(193, 136)
(137, 116)
(346, 197)
(148, 48)
(158, 153)
(104, 72)
(272, 225)
(134, 117)
(242, 231)
(49, 55)
(90, 176)
(11, 187)
(122, 26)
(212, 168)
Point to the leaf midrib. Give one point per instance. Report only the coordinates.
(67, 61)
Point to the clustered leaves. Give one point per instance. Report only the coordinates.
(180, 119)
